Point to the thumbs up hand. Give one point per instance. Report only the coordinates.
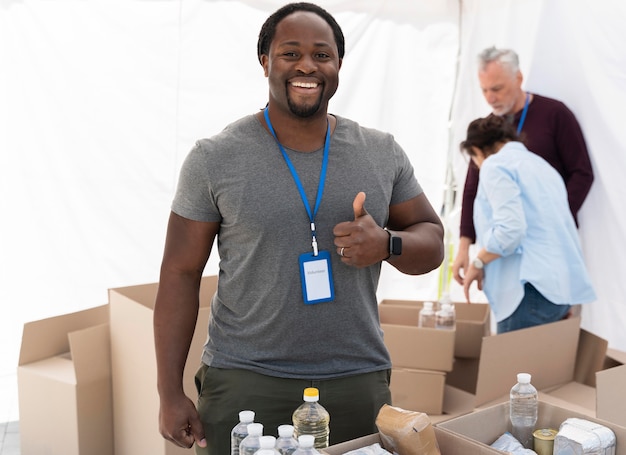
(358, 205)
(361, 242)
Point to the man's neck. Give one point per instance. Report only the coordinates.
(302, 134)
(520, 102)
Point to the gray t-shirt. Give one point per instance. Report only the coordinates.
(259, 320)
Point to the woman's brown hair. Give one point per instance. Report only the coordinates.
(484, 133)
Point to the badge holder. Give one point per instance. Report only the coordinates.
(316, 278)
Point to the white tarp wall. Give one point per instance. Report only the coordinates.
(100, 102)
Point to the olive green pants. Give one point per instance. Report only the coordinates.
(353, 403)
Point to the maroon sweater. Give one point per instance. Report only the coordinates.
(552, 132)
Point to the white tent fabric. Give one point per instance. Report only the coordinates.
(100, 102)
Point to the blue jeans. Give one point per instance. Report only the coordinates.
(534, 309)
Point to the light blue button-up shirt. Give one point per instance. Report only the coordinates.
(521, 213)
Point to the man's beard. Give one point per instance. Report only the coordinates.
(505, 110)
(304, 110)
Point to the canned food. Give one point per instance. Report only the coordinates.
(544, 441)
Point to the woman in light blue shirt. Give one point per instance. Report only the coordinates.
(530, 264)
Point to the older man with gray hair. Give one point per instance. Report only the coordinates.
(547, 127)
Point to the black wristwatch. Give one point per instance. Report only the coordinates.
(395, 244)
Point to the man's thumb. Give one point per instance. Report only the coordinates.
(358, 205)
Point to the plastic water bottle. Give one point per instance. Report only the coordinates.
(306, 445)
(427, 315)
(240, 431)
(252, 442)
(523, 410)
(445, 317)
(312, 419)
(286, 444)
(445, 298)
(268, 446)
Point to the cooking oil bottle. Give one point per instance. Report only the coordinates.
(312, 419)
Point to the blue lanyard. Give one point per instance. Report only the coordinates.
(524, 112)
(296, 178)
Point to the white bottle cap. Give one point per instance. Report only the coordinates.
(246, 416)
(267, 442)
(306, 440)
(428, 305)
(255, 429)
(285, 431)
(523, 378)
(311, 394)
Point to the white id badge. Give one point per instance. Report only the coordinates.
(316, 278)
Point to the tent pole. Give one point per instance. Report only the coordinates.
(450, 186)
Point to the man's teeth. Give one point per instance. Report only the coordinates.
(304, 84)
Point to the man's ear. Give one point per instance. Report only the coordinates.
(265, 63)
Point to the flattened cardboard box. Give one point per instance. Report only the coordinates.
(135, 398)
(64, 385)
(411, 346)
(472, 324)
(484, 426)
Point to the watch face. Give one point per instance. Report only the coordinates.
(395, 245)
(478, 263)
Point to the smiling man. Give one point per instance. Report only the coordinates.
(305, 207)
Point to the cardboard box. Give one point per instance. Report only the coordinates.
(580, 391)
(456, 402)
(411, 346)
(452, 444)
(590, 357)
(464, 374)
(449, 444)
(64, 385)
(365, 441)
(611, 399)
(133, 362)
(572, 395)
(614, 358)
(548, 352)
(418, 390)
(571, 368)
(484, 426)
(472, 324)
